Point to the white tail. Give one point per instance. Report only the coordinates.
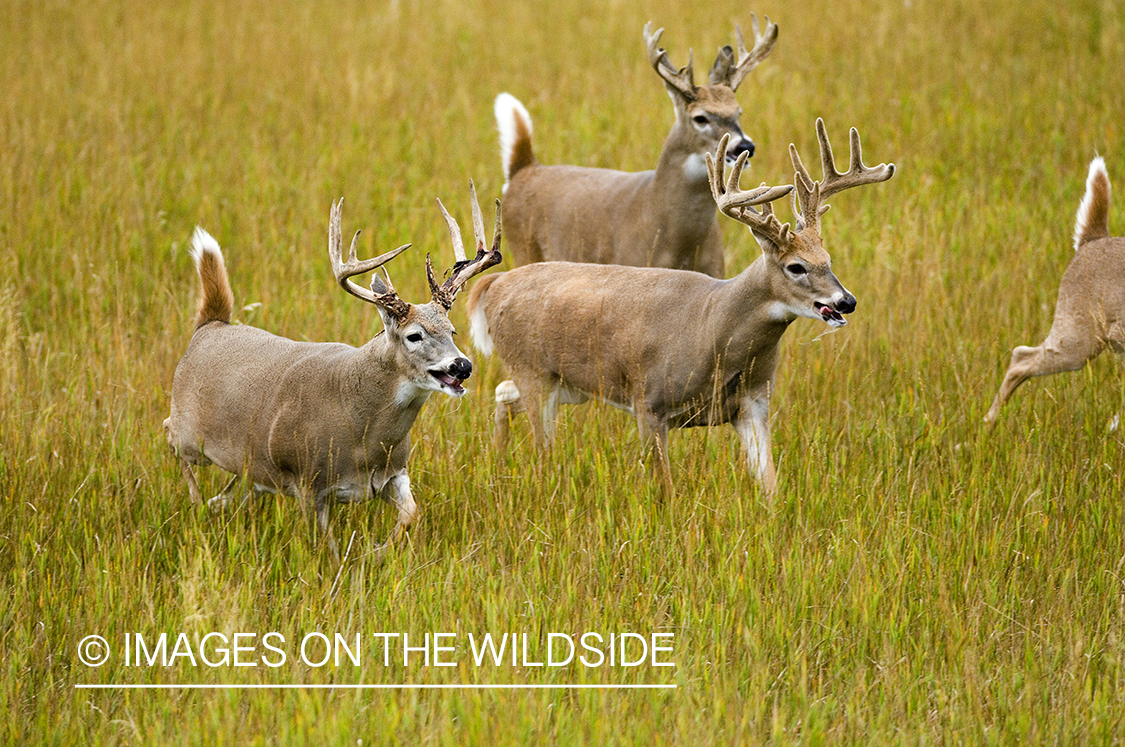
(661, 218)
(319, 421)
(675, 348)
(1090, 311)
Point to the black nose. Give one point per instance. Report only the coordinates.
(745, 145)
(846, 306)
(461, 368)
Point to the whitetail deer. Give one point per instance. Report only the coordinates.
(672, 347)
(319, 421)
(1090, 311)
(661, 218)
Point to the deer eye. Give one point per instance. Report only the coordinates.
(414, 337)
(797, 269)
(700, 119)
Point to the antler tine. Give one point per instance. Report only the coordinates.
(763, 45)
(735, 202)
(464, 269)
(478, 219)
(344, 271)
(857, 175)
(683, 80)
(454, 233)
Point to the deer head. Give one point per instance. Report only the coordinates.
(711, 111)
(423, 333)
(806, 283)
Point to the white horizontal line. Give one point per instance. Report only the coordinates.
(512, 686)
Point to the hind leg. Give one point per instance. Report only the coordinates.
(1048, 358)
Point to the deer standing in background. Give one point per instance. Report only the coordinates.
(661, 218)
(319, 421)
(1090, 312)
(674, 348)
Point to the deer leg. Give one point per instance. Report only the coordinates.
(753, 426)
(654, 438)
(1041, 361)
(221, 501)
(323, 508)
(508, 405)
(398, 492)
(192, 483)
(540, 412)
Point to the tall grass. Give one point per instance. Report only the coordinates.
(916, 580)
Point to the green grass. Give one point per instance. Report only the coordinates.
(917, 580)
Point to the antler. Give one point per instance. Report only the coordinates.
(464, 269)
(683, 79)
(811, 193)
(343, 271)
(727, 71)
(735, 203)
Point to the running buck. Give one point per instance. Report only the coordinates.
(674, 348)
(661, 218)
(319, 421)
(1090, 312)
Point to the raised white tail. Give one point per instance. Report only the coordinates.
(1090, 311)
(320, 421)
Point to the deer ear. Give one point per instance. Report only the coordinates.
(767, 245)
(378, 287)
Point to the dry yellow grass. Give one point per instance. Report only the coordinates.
(916, 580)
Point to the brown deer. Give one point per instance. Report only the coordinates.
(661, 218)
(674, 348)
(1090, 312)
(319, 421)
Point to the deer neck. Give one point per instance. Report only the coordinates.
(748, 307)
(681, 171)
(382, 387)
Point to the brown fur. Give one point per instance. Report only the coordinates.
(217, 300)
(1090, 312)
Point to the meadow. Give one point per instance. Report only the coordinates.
(917, 579)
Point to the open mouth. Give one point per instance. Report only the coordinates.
(831, 317)
(450, 383)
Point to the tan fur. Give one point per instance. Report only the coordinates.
(675, 348)
(1090, 311)
(322, 422)
(660, 218)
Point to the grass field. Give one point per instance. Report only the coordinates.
(917, 580)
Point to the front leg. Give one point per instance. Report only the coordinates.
(753, 426)
(654, 439)
(397, 491)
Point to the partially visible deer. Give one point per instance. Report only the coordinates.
(675, 348)
(320, 421)
(661, 218)
(1090, 312)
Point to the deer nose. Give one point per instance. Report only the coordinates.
(847, 305)
(461, 368)
(745, 145)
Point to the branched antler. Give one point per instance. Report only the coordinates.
(731, 72)
(344, 271)
(683, 79)
(811, 193)
(735, 202)
(464, 268)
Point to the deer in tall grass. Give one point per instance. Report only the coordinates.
(1090, 311)
(661, 218)
(322, 422)
(674, 348)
